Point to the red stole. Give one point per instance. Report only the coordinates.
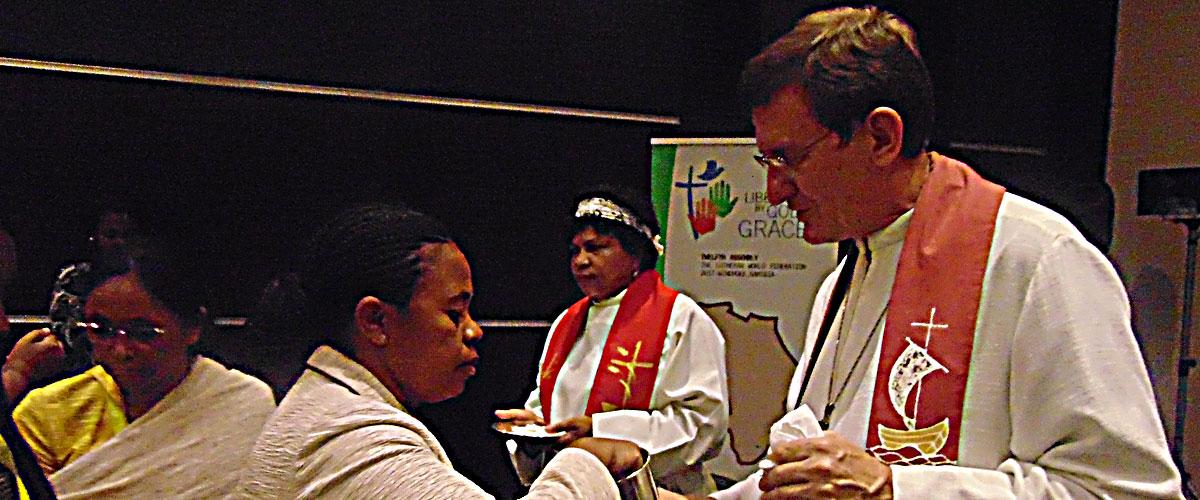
(629, 365)
(925, 356)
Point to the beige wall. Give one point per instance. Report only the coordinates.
(1156, 124)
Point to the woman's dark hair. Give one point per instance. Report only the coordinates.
(174, 281)
(365, 250)
(632, 240)
(170, 273)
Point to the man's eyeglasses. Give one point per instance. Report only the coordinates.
(140, 333)
(781, 163)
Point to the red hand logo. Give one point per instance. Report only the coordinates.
(705, 218)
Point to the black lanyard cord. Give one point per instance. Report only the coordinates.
(835, 303)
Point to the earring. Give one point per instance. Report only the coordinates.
(379, 340)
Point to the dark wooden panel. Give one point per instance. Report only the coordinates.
(250, 172)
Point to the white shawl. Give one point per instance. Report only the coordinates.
(192, 444)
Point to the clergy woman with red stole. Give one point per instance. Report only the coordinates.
(633, 359)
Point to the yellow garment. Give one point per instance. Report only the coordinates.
(69, 418)
(6, 459)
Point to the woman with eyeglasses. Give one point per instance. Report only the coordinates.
(151, 419)
(48, 354)
(113, 244)
(388, 294)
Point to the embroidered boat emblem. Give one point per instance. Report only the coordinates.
(913, 445)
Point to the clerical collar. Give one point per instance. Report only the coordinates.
(611, 301)
(890, 235)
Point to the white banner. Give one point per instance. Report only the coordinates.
(748, 266)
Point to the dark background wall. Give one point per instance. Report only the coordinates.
(255, 169)
(1022, 87)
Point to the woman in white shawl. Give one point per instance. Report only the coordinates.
(150, 420)
(389, 293)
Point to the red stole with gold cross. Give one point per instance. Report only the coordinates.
(925, 355)
(629, 364)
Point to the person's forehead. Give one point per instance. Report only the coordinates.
(784, 118)
(122, 298)
(447, 274)
(590, 234)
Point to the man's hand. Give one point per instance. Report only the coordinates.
(825, 467)
(35, 356)
(575, 427)
(520, 416)
(621, 457)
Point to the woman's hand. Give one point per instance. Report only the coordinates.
(621, 457)
(37, 355)
(520, 417)
(575, 428)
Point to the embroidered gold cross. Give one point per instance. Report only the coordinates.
(631, 365)
(550, 367)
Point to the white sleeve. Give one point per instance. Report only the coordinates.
(389, 461)
(534, 402)
(1082, 409)
(690, 414)
(527, 466)
(380, 461)
(574, 473)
